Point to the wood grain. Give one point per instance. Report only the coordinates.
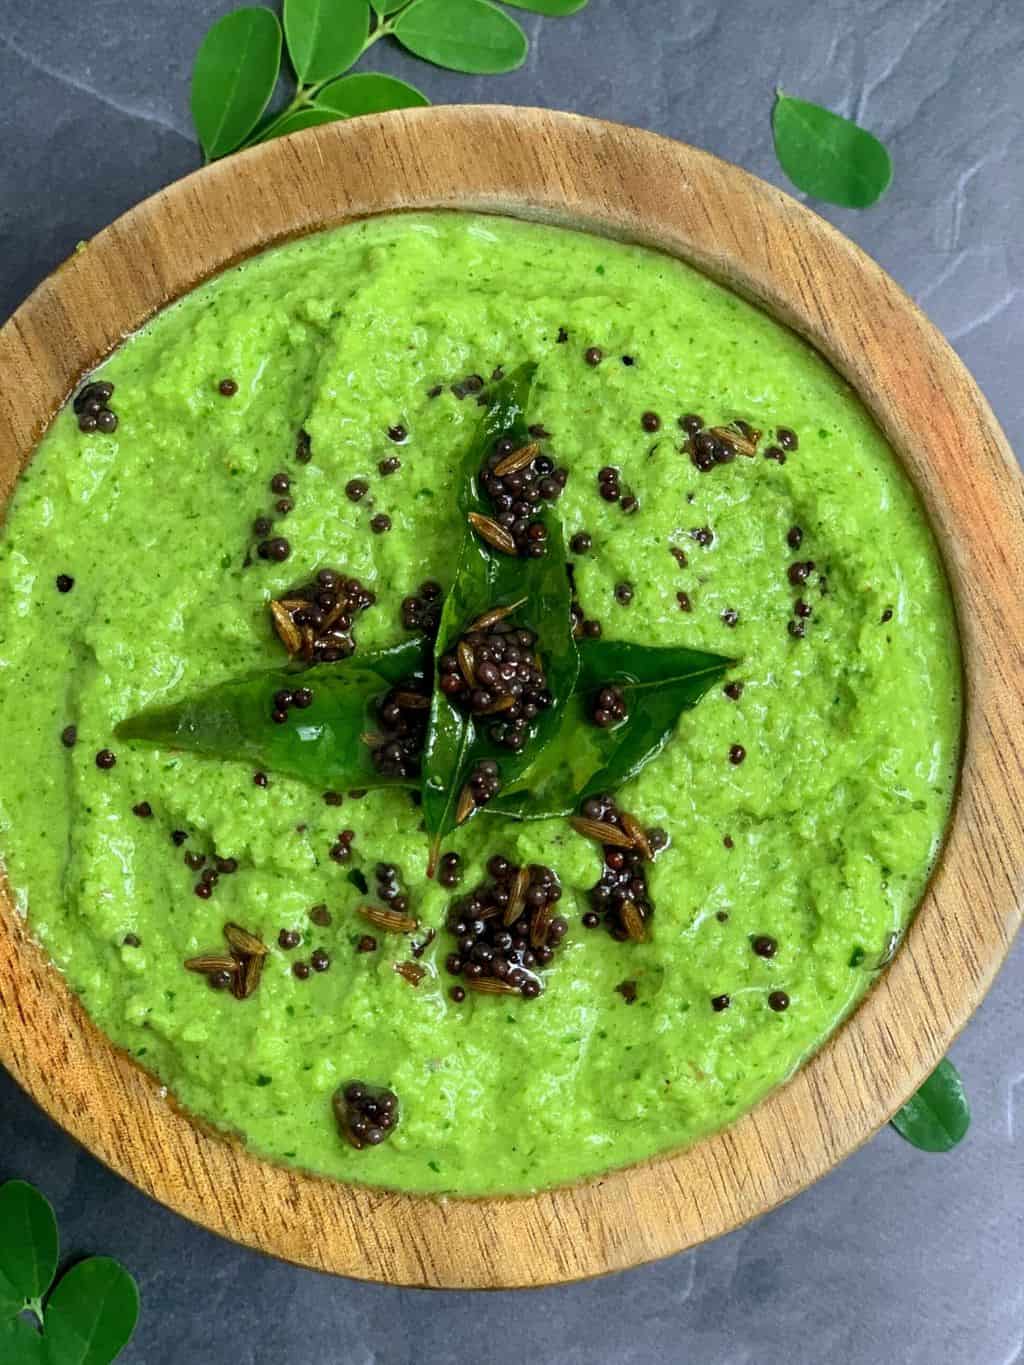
(640, 188)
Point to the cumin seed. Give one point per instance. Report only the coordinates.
(492, 617)
(467, 662)
(637, 834)
(287, 631)
(742, 443)
(490, 985)
(466, 806)
(517, 459)
(390, 921)
(632, 921)
(243, 942)
(540, 926)
(517, 895)
(248, 976)
(493, 533)
(210, 963)
(602, 832)
(411, 971)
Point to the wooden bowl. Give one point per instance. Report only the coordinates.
(640, 188)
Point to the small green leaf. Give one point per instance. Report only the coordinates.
(233, 78)
(554, 8)
(658, 683)
(484, 580)
(320, 745)
(938, 1116)
(91, 1314)
(383, 8)
(463, 35)
(829, 156)
(325, 36)
(296, 121)
(28, 1240)
(450, 731)
(21, 1344)
(369, 92)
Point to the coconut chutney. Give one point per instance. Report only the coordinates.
(804, 800)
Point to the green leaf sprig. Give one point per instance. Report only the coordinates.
(238, 63)
(90, 1314)
(238, 66)
(938, 1116)
(829, 156)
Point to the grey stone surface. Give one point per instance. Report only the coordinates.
(896, 1256)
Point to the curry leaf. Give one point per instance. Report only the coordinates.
(91, 1314)
(484, 580)
(230, 720)
(550, 7)
(450, 732)
(547, 610)
(455, 745)
(938, 1116)
(369, 92)
(827, 155)
(325, 36)
(28, 1240)
(321, 744)
(233, 78)
(463, 35)
(658, 684)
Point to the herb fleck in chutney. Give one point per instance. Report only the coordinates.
(849, 730)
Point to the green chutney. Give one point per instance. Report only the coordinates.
(821, 838)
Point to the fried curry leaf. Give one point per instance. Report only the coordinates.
(938, 1116)
(658, 684)
(450, 733)
(322, 744)
(486, 579)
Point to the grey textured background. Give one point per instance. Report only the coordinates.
(896, 1256)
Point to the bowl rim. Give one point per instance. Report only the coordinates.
(635, 186)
